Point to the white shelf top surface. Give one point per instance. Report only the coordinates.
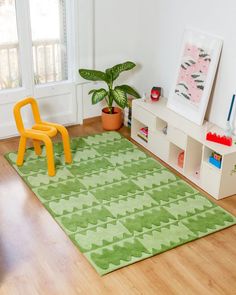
(159, 109)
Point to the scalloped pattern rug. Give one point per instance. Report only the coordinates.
(117, 204)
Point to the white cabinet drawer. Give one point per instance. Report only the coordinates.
(144, 117)
(159, 145)
(177, 137)
(210, 179)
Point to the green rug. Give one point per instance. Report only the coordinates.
(117, 204)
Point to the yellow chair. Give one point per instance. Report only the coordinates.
(41, 131)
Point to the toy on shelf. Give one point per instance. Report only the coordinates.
(155, 93)
(40, 132)
(225, 140)
(215, 159)
(229, 128)
(143, 133)
(181, 159)
(165, 129)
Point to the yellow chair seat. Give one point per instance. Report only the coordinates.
(45, 129)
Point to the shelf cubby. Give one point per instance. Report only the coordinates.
(174, 153)
(206, 155)
(160, 125)
(136, 126)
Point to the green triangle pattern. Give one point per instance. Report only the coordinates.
(117, 204)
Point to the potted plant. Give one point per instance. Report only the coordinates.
(111, 116)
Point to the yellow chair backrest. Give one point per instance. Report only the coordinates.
(17, 112)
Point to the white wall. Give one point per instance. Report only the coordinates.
(120, 34)
(150, 33)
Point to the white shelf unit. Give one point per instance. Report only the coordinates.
(183, 135)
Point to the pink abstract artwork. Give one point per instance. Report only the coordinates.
(192, 74)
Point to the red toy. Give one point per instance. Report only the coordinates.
(155, 93)
(219, 139)
(181, 159)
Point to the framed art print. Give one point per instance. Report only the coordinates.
(195, 75)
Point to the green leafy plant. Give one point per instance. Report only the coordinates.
(113, 93)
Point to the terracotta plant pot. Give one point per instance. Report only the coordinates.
(112, 121)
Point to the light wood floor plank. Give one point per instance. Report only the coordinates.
(36, 256)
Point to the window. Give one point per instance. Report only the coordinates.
(9, 47)
(48, 27)
(42, 44)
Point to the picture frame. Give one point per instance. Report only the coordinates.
(200, 54)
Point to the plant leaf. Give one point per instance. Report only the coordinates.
(98, 95)
(120, 97)
(109, 75)
(92, 91)
(116, 70)
(129, 90)
(93, 75)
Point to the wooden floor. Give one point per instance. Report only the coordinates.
(36, 257)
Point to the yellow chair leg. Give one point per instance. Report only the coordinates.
(21, 152)
(65, 140)
(66, 146)
(37, 147)
(50, 157)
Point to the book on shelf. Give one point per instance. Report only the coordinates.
(143, 137)
(143, 133)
